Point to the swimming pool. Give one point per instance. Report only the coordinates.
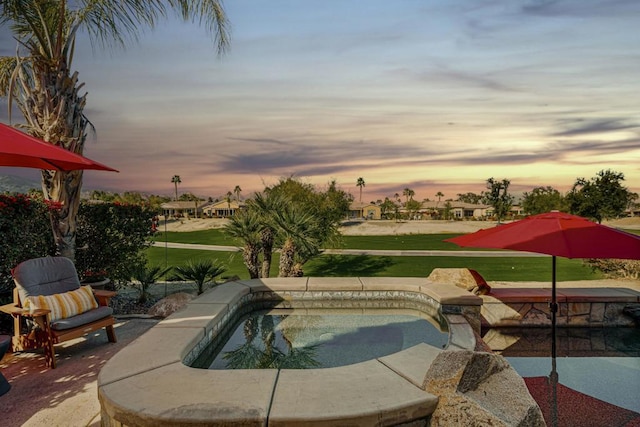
(302, 339)
(595, 365)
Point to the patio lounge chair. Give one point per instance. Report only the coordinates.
(50, 306)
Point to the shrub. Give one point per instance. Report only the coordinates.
(111, 240)
(144, 277)
(201, 272)
(616, 268)
(26, 233)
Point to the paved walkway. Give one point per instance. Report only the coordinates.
(68, 395)
(374, 252)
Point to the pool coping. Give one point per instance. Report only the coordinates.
(148, 383)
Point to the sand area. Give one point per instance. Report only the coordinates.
(381, 227)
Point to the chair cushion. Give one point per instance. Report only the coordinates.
(66, 304)
(45, 276)
(82, 319)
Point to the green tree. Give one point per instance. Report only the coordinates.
(498, 197)
(446, 213)
(48, 93)
(237, 192)
(408, 193)
(470, 198)
(360, 183)
(247, 227)
(601, 197)
(543, 199)
(298, 219)
(413, 207)
(439, 195)
(387, 208)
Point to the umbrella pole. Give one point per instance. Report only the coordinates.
(553, 307)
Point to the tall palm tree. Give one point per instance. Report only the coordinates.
(360, 184)
(176, 180)
(237, 192)
(227, 199)
(408, 193)
(40, 80)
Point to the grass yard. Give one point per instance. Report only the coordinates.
(203, 237)
(498, 268)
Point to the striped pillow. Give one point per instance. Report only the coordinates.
(66, 304)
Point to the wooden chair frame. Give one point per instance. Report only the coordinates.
(44, 336)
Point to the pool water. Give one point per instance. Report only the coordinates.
(303, 339)
(592, 366)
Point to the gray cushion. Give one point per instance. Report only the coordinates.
(45, 276)
(82, 319)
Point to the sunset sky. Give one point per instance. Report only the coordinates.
(433, 95)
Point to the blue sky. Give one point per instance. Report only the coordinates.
(431, 95)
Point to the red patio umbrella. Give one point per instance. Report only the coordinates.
(22, 150)
(556, 234)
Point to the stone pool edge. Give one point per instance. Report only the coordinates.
(147, 383)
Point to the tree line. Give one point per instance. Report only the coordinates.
(599, 198)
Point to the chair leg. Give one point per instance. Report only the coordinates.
(111, 333)
(49, 354)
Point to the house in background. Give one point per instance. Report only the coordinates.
(222, 209)
(364, 210)
(179, 209)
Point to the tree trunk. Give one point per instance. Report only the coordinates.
(250, 257)
(287, 258)
(266, 238)
(63, 188)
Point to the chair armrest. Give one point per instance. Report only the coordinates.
(103, 296)
(12, 309)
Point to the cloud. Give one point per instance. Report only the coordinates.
(595, 126)
(310, 158)
(581, 8)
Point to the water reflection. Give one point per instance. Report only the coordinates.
(579, 377)
(270, 352)
(309, 338)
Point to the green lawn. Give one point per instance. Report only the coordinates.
(231, 260)
(405, 242)
(507, 269)
(203, 237)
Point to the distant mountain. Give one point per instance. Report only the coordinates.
(16, 184)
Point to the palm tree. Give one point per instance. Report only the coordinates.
(176, 180)
(237, 192)
(147, 276)
(408, 193)
(360, 184)
(40, 80)
(227, 198)
(297, 231)
(265, 204)
(439, 195)
(201, 272)
(246, 226)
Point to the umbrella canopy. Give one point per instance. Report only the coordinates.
(22, 150)
(557, 234)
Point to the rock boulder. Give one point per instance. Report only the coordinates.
(170, 304)
(479, 389)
